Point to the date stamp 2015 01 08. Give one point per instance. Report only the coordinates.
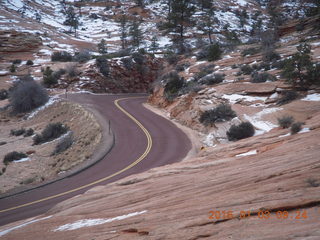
(262, 214)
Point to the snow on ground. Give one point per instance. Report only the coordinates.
(312, 97)
(51, 101)
(233, 98)
(4, 232)
(208, 141)
(22, 160)
(93, 222)
(260, 125)
(252, 152)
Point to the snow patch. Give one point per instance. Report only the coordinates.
(93, 222)
(252, 152)
(233, 98)
(2, 233)
(22, 160)
(312, 97)
(51, 101)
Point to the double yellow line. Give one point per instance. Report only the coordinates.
(149, 145)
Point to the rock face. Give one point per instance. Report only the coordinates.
(264, 187)
(124, 76)
(12, 41)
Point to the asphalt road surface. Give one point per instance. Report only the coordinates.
(143, 140)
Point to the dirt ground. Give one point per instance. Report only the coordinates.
(42, 166)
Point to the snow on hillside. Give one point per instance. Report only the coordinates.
(104, 25)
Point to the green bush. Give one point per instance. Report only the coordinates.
(17, 132)
(16, 61)
(246, 69)
(262, 77)
(82, 56)
(49, 78)
(3, 94)
(174, 84)
(243, 130)
(51, 132)
(287, 97)
(13, 156)
(29, 132)
(214, 52)
(12, 68)
(296, 127)
(285, 121)
(223, 112)
(250, 51)
(62, 56)
(29, 62)
(102, 64)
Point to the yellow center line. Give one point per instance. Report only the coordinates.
(149, 145)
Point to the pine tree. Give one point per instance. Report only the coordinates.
(136, 33)
(180, 17)
(300, 70)
(123, 21)
(102, 47)
(154, 44)
(72, 20)
(208, 23)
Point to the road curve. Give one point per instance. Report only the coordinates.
(143, 140)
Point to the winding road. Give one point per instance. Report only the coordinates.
(143, 140)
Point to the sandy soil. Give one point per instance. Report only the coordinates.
(42, 166)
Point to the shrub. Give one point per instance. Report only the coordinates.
(3, 143)
(102, 64)
(221, 113)
(299, 69)
(28, 132)
(250, 51)
(13, 156)
(262, 77)
(29, 62)
(212, 79)
(16, 61)
(82, 56)
(63, 144)
(51, 132)
(296, 127)
(287, 96)
(246, 69)
(26, 96)
(243, 130)
(49, 77)
(17, 132)
(171, 58)
(72, 70)
(12, 68)
(62, 56)
(270, 56)
(285, 121)
(173, 85)
(214, 52)
(3, 94)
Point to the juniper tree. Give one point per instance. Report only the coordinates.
(180, 18)
(154, 44)
(136, 33)
(299, 70)
(102, 47)
(123, 21)
(207, 23)
(72, 20)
